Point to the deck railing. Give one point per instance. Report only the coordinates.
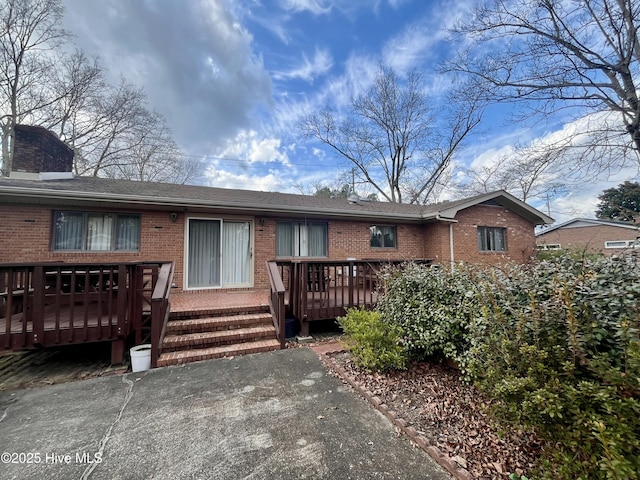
(160, 309)
(324, 289)
(57, 303)
(49, 304)
(277, 300)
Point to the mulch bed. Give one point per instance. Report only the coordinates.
(450, 414)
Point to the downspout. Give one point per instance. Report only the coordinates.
(451, 257)
(451, 221)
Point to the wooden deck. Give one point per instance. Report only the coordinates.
(333, 302)
(65, 318)
(311, 290)
(53, 304)
(49, 304)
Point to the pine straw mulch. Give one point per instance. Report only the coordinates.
(452, 415)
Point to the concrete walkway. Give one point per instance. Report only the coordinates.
(275, 415)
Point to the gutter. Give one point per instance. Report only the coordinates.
(16, 192)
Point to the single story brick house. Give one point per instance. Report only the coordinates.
(222, 238)
(199, 272)
(607, 237)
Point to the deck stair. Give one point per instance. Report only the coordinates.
(219, 332)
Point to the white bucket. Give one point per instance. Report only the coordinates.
(141, 357)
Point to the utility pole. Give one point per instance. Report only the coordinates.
(548, 206)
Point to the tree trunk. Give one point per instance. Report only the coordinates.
(7, 148)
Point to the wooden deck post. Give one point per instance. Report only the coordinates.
(117, 351)
(37, 309)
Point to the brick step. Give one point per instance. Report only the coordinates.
(221, 337)
(218, 312)
(212, 324)
(186, 356)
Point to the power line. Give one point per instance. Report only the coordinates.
(206, 157)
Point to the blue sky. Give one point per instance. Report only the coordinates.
(232, 78)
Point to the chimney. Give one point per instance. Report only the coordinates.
(38, 154)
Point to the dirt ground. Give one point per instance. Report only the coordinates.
(37, 368)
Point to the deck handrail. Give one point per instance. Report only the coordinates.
(322, 289)
(160, 309)
(93, 295)
(276, 301)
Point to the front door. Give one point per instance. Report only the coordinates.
(219, 253)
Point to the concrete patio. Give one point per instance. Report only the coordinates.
(275, 415)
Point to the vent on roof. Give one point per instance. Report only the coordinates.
(353, 198)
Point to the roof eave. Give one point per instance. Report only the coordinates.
(509, 201)
(199, 204)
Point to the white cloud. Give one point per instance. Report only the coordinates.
(309, 69)
(251, 147)
(241, 181)
(317, 7)
(195, 60)
(582, 170)
(411, 47)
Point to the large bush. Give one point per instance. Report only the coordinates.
(556, 344)
(432, 306)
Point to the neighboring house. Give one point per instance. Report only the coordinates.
(221, 238)
(598, 236)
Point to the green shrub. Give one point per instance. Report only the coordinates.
(374, 344)
(432, 306)
(557, 344)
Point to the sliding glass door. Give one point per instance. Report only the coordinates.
(236, 254)
(219, 253)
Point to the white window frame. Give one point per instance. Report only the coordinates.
(618, 244)
(222, 220)
(301, 234)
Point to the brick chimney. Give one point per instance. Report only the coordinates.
(38, 154)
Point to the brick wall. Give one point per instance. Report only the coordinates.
(25, 236)
(347, 239)
(520, 235)
(591, 237)
(36, 150)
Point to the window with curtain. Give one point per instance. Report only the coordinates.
(90, 231)
(492, 239)
(383, 236)
(301, 239)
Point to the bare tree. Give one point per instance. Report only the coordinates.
(29, 33)
(79, 85)
(527, 172)
(153, 156)
(552, 55)
(111, 129)
(115, 120)
(391, 137)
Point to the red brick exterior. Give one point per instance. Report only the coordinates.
(591, 238)
(25, 236)
(36, 150)
(520, 235)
